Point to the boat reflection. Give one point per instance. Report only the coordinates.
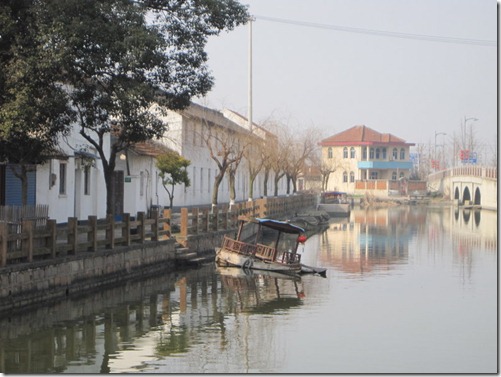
(262, 292)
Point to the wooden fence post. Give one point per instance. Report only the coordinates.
(224, 224)
(194, 220)
(110, 232)
(205, 221)
(92, 234)
(126, 228)
(154, 215)
(4, 234)
(52, 239)
(27, 240)
(140, 227)
(184, 222)
(167, 220)
(72, 234)
(215, 219)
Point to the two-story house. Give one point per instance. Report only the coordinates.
(361, 159)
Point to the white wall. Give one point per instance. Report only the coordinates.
(73, 203)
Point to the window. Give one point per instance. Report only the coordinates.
(373, 175)
(345, 152)
(371, 153)
(352, 177)
(62, 178)
(377, 153)
(352, 152)
(364, 153)
(87, 180)
(401, 174)
(329, 152)
(345, 177)
(402, 154)
(384, 153)
(394, 176)
(395, 153)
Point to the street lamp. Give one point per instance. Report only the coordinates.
(436, 134)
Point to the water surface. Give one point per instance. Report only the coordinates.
(408, 290)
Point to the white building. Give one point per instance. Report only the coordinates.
(72, 182)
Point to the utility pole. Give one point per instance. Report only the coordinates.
(249, 110)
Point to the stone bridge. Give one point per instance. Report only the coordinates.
(467, 185)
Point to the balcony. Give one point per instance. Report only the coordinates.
(378, 164)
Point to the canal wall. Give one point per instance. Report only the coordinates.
(40, 266)
(24, 285)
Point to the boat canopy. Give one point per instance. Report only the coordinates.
(281, 226)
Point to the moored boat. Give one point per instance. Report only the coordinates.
(273, 247)
(335, 203)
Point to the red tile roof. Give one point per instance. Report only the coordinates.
(361, 135)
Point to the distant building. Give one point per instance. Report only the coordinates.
(361, 159)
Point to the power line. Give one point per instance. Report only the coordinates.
(423, 37)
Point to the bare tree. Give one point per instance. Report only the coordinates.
(300, 147)
(255, 157)
(226, 149)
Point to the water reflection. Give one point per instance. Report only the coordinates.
(144, 321)
(261, 292)
(371, 240)
(376, 240)
(226, 320)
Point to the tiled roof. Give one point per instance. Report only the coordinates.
(149, 148)
(361, 135)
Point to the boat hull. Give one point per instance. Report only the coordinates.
(227, 258)
(335, 209)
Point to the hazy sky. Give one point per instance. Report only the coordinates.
(412, 68)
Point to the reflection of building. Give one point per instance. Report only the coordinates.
(373, 239)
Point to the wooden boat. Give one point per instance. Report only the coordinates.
(335, 203)
(273, 247)
(311, 221)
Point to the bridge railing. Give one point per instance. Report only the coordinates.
(471, 171)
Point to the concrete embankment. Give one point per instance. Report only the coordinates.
(40, 281)
(31, 284)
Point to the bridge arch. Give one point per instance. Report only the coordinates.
(456, 193)
(477, 198)
(466, 194)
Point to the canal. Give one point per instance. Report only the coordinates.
(409, 289)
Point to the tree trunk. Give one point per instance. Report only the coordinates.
(108, 180)
(252, 178)
(215, 189)
(277, 178)
(266, 177)
(171, 196)
(232, 187)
